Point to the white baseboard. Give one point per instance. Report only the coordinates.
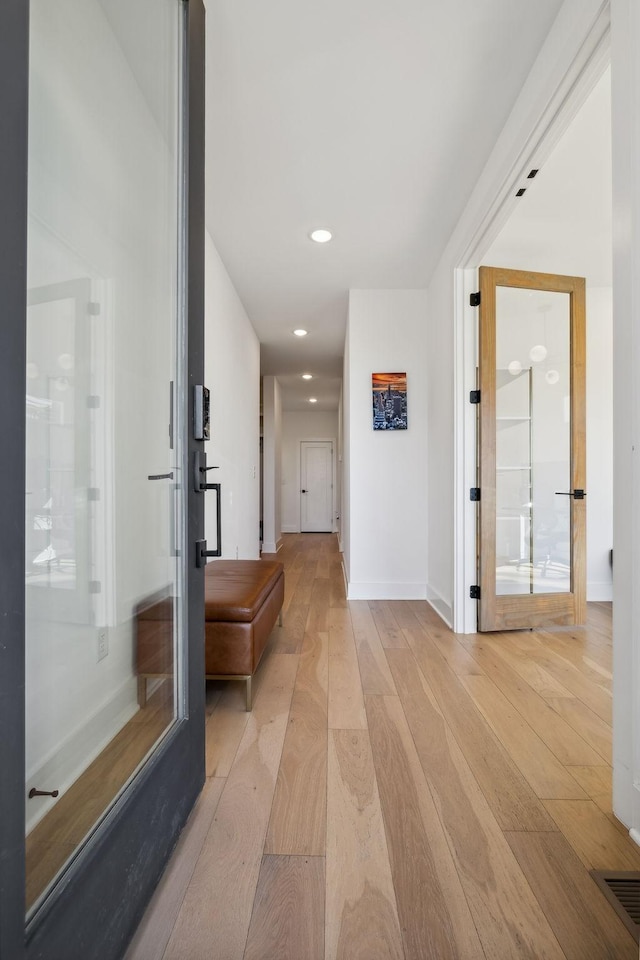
(344, 577)
(62, 767)
(598, 592)
(269, 547)
(441, 607)
(386, 591)
(290, 528)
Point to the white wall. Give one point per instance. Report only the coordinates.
(340, 468)
(297, 426)
(625, 78)
(345, 407)
(599, 442)
(440, 430)
(272, 465)
(232, 373)
(387, 475)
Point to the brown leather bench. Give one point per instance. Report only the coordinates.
(243, 601)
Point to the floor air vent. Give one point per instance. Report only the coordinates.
(622, 890)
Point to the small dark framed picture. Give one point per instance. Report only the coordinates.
(389, 392)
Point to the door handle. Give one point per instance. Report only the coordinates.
(304, 491)
(200, 468)
(577, 494)
(160, 476)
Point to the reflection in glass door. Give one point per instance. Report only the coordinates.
(105, 444)
(532, 449)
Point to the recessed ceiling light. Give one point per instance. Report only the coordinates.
(321, 236)
(313, 400)
(300, 333)
(307, 376)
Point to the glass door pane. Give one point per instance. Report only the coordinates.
(533, 441)
(105, 447)
(532, 460)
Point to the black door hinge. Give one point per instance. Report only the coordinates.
(474, 396)
(474, 494)
(474, 592)
(474, 299)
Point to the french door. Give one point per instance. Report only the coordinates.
(101, 344)
(531, 462)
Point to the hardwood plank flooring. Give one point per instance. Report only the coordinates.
(361, 919)
(509, 920)
(214, 918)
(434, 915)
(389, 630)
(563, 739)
(401, 792)
(346, 703)
(374, 669)
(593, 694)
(591, 728)
(288, 913)
(289, 639)
(299, 811)
(595, 839)
(581, 918)
(546, 775)
(510, 797)
(224, 731)
(447, 643)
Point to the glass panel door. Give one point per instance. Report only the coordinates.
(105, 438)
(532, 562)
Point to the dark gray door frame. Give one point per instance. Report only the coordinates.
(94, 909)
(14, 46)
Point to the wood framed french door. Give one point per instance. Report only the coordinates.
(531, 455)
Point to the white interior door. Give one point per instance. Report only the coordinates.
(316, 486)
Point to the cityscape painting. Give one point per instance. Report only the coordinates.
(389, 401)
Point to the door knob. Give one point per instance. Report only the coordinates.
(577, 494)
(303, 491)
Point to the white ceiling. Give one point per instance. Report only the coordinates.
(563, 223)
(369, 117)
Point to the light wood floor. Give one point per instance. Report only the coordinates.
(400, 792)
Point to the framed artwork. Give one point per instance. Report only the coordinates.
(389, 394)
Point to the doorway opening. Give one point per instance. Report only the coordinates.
(316, 486)
(561, 224)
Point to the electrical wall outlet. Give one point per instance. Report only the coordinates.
(103, 643)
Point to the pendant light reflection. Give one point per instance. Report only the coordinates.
(537, 353)
(514, 368)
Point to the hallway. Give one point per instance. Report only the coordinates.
(400, 792)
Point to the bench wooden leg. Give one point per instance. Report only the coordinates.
(249, 704)
(280, 618)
